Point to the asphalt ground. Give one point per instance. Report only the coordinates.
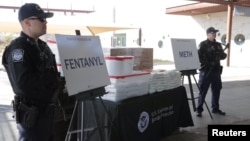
(235, 101)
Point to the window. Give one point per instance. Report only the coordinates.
(119, 40)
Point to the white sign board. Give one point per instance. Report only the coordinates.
(83, 63)
(185, 54)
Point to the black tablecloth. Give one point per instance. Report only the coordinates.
(144, 118)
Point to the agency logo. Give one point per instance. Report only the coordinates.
(143, 122)
(17, 55)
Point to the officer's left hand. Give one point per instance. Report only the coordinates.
(223, 56)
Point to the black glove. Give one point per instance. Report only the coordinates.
(227, 46)
(223, 56)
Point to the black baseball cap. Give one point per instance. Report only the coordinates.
(212, 30)
(31, 9)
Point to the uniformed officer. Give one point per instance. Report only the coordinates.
(32, 72)
(210, 53)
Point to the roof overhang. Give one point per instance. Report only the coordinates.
(51, 9)
(205, 7)
(196, 9)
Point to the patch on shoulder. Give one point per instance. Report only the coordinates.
(17, 55)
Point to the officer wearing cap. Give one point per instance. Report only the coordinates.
(210, 53)
(33, 75)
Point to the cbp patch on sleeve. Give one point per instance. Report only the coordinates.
(17, 55)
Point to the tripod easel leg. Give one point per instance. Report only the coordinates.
(188, 73)
(68, 136)
(80, 105)
(208, 110)
(82, 121)
(83, 101)
(192, 93)
(204, 101)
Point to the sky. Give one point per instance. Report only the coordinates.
(149, 15)
(136, 13)
(103, 3)
(126, 10)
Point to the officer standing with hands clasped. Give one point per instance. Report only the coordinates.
(210, 54)
(33, 75)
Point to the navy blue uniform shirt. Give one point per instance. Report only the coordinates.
(210, 53)
(31, 69)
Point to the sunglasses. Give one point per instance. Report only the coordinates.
(212, 33)
(40, 19)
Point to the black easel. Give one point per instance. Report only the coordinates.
(188, 73)
(81, 98)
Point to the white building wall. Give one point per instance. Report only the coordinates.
(155, 25)
(240, 25)
(173, 26)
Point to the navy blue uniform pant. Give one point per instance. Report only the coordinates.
(207, 79)
(43, 128)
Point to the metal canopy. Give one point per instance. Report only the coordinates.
(205, 7)
(50, 9)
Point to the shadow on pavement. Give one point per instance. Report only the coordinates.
(234, 100)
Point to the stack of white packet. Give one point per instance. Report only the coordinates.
(164, 80)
